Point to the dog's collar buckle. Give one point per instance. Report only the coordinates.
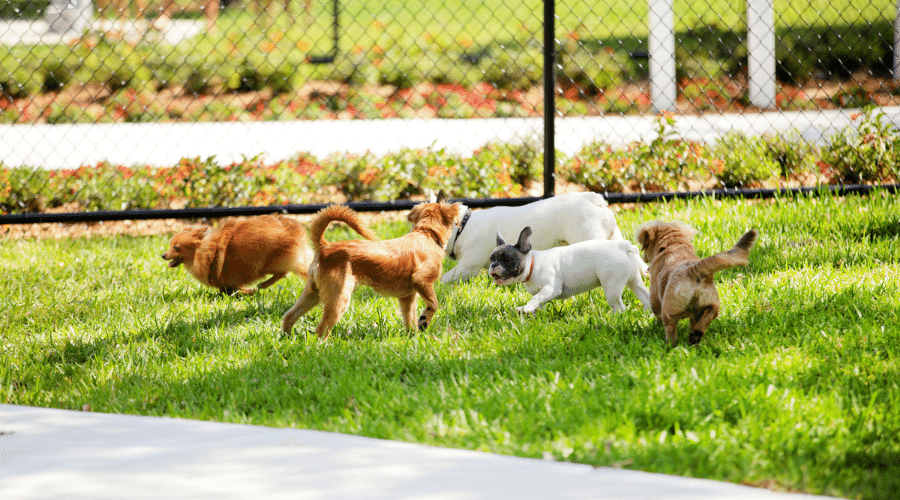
(462, 224)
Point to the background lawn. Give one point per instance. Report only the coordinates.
(794, 387)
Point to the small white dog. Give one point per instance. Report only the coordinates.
(560, 220)
(562, 272)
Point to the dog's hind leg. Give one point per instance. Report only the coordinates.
(335, 301)
(636, 285)
(431, 304)
(271, 281)
(308, 299)
(700, 323)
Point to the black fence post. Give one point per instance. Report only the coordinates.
(549, 98)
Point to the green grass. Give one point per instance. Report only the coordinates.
(794, 387)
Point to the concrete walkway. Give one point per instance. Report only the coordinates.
(35, 32)
(163, 144)
(57, 454)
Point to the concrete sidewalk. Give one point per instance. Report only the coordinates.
(60, 454)
(163, 144)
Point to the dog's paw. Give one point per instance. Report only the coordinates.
(248, 291)
(695, 337)
(525, 310)
(423, 322)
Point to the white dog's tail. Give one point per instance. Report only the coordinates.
(636, 282)
(597, 199)
(635, 255)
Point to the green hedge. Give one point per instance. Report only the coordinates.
(869, 151)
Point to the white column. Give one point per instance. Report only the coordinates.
(761, 52)
(897, 43)
(663, 87)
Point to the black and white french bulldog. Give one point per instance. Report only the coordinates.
(560, 220)
(562, 272)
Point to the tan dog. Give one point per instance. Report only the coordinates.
(241, 253)
(402, 267)
(681, 285)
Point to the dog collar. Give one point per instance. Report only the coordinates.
(462, 224)
(531, 269)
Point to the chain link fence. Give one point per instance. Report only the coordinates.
(116, 104)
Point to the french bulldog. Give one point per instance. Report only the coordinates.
(560, 220)
(562, 272)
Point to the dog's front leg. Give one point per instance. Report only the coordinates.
(544, 295)
(670, 323)
(408, 311)
(460, 273)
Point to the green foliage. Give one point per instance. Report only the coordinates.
(666, 163)
(405, 46)
(591, 71)
(795, 156)
(194, 182)
(745, 161)
(868, 151)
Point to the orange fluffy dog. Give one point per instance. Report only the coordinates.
(681, 285)
(402, 267)
(241, 253)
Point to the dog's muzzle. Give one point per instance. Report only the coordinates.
(175, 262)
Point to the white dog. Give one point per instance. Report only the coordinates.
(560, 220)
(562, 272)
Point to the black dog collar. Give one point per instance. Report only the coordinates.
(462, 224)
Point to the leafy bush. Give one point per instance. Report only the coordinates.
(591, 71)
(496, 170)
(666, 163)
(795, 155)
(744, 161)
(867, 152)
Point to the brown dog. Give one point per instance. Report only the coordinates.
(402, 267)
(241, 253)
(681, 285)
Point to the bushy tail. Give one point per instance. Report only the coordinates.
(737, 256)
(326, 216)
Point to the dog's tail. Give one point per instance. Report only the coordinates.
(597, 199)
(635, 254)
(329, 214)
(737, 256)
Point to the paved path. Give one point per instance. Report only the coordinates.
(163, 144)
(33, 32)
(50, 454)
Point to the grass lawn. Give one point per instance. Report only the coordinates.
(795, 386)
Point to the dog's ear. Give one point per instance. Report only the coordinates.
(441, 197)
(429, 196)
(644, 235)
(450, 213)
(524, 243)
(500, 240)
(414, 214)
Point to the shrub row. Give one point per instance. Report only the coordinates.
(278, 61)
(867, 152)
